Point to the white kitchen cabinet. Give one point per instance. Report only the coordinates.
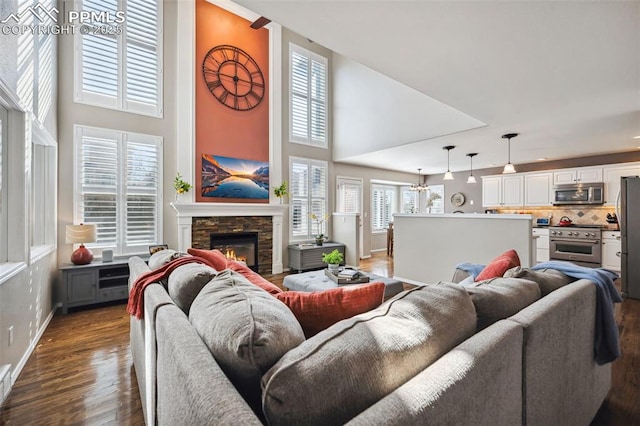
(612, 175)
(502, 191)
(542, 244)
(578, 175)
(538, 189)
(611, 249)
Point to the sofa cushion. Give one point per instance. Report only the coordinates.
(318, 310)
(186, 281)
(499, 298)
(246, 329)
(498, 266)
(346, 368)
(161, 258)
(217, 259)
(548, 279)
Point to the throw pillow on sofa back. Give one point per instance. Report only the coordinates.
(246, 330)
(498, 266)
(186, 281)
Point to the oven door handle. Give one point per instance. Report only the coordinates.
(575, 241)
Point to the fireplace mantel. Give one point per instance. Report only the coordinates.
(228, 209)
(187, 211)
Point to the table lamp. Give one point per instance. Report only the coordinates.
(80, 234)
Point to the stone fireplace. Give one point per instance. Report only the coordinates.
(198, 221)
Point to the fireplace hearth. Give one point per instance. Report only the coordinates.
(242, 246)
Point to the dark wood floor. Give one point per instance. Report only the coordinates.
(81, 371)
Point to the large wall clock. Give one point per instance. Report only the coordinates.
(233, 77)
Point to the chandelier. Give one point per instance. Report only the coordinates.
(420, 187)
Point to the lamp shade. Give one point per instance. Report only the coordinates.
(80, 234)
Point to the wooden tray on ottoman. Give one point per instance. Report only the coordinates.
(359, 279)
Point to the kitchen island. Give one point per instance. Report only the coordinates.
(427, 247)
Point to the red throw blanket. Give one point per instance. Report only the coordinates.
(136, 295)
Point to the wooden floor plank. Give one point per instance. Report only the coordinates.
(81, 371)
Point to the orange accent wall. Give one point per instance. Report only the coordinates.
(221, 130)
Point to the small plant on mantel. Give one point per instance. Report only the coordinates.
(180, 185)
(281, 191)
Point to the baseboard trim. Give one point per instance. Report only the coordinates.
(368, 256)
(5, 381)
(32, 346)
(378, 250)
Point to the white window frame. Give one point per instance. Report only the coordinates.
(387, 188)
(122, 138)
(311, 56)
(46, 188)
(439, 209)
(120, 103)
(416, 196)
(4, 183)
(310, 223)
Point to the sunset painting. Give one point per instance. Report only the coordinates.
(228, 177)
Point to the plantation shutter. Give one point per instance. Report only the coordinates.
(409, 200)
(142, 182)
(99, 59)
(142, 65)
(382, 198)
(299, 198)
(120, 64)
(308, 97)
(318, 196)
(119, 188)
(99, 180)
(349, 197)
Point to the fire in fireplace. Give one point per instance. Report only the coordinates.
(242, 246)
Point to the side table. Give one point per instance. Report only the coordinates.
(303, 257)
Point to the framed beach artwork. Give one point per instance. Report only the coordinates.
(228, 177)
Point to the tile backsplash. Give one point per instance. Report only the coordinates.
(580, 215)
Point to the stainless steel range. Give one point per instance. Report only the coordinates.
(578, 244)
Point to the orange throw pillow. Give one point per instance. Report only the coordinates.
(499, 265)
(217, 259)
(318, 310)
(253, 277)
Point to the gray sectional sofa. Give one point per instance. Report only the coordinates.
(535, 367)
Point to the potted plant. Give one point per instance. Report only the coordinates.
(333, 260)
(319, 224)
(180, 185)
(281, 191)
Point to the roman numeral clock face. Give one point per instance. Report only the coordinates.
(233, 77)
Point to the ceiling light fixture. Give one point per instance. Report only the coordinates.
(420, 187)
(448, 175)
(508, 168)
(471, 178)
(637, 137)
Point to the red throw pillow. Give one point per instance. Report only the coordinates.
(499, 265)
(217, 259)
(318, 310)
(252, 277)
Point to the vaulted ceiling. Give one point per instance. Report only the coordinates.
(565, 75)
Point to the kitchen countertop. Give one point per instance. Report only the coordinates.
(608, 227)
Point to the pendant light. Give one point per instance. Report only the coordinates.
(420, 187)
(508, 168)
(448, 175)
(471, 178)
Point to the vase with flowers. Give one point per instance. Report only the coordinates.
(180, 186)
(319, 221)
(430, 199)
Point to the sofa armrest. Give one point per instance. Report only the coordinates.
(478, 382)
(562, 382)
(192, 389)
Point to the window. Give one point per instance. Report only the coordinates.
(382, 202)
(348, 195)
(122, 69)
(409, 200)
(4, 201)
(307, 97)
(43, 190)
(308, 182)
(437, 205)
(118, 188)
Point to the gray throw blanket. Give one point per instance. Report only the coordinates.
(607, 339)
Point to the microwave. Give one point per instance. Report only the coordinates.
(578, 193)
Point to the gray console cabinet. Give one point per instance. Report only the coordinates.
(93, 283)
(303, 257)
